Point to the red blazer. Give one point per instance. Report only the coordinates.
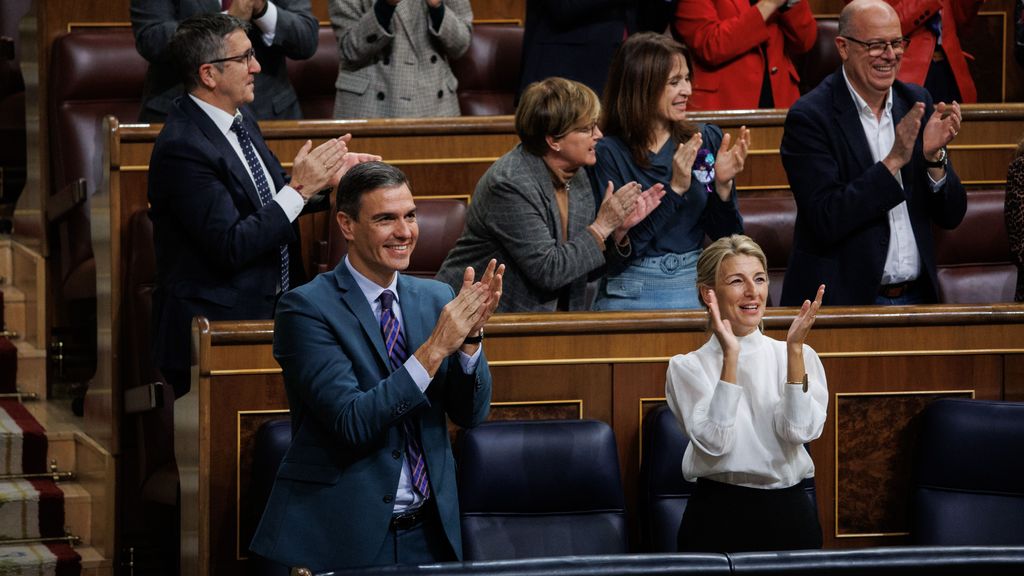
(956, 17)
(725, 38)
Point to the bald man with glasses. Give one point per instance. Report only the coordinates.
(224, 211)
(867, 161)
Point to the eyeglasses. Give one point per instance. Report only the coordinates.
(877, 47)
(589, 130)
(243, 58)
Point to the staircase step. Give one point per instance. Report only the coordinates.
(31, 369)
(61, 447)
(93, 562)
(14, 306)
(33, 559)
(77, 510)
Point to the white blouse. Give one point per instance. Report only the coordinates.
(750, 433)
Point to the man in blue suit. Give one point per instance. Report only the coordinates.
(375, 363)
(223, 208)
(870, 175)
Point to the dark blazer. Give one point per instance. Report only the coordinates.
(843, 198)
(296, 36)
(217, 248)
(333, 498)
(576, 39)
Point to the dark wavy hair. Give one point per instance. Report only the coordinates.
(636, 81)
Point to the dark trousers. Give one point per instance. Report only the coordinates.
(728, 518)
(424, 543)
(941, 83)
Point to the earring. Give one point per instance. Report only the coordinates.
(559, 149)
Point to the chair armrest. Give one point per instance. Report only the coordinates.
(144, 398)
(62, 203)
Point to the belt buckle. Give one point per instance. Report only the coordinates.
(406, 520)
(894, 290)
(670, 263)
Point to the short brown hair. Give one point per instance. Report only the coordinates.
(636, 80)
(553, 107)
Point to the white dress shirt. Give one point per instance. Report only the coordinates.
(750, 433)
(902, 260)
(405, 498)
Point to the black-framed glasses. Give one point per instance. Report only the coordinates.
(589, 129)
(877, 47)
(243, 58)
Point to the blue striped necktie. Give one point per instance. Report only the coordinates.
(262, 186)
(397, 354)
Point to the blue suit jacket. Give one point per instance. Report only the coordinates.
(843, 198)
(217, 247)
(333, 498)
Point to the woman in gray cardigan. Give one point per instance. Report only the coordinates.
(534, 209)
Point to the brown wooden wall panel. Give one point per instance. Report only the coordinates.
(883, 366)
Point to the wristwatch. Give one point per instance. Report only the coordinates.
(475, 339)
(941, 162)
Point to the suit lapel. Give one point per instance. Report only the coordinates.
(413, 316)
(220, 142)
(848, 119)
(408, 13)
(539, 172)
(353, 298)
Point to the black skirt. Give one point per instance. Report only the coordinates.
(723, 517)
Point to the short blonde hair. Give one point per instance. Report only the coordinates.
(553, 107)
(711, 258)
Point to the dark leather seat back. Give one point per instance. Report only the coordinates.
(93, 73)
(822, 59)
(770, 220)
(969, 487)
(12, 102)
(269, 447)
(488, 73)
(663, 491)
(529, 489)
(313, 79)
(973, 260)
(440, 220)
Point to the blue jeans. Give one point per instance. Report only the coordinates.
(654, 283)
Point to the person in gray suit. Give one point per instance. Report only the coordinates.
(278, 29)
(394, 56)
(535, 209)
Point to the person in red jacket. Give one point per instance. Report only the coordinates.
(742, 49)
(934, 58)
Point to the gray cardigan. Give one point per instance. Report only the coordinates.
(514, 218)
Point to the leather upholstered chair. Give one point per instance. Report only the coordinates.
(313, 79)
(148, 483)
(969, 485)
(94, 73)
(12, 103)
(272, 440)
(488, 73)
(530, 489)
(663, 492)
(822, 59)
(770, 220)
(973, 260)
(440, 220)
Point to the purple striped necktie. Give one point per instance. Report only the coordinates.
(397, 354)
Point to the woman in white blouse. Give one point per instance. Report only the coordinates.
(748, 403)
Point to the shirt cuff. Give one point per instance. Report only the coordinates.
(290, 201)
(936, 186)
(797, 405)
(468, 362)
(268, 23)
(417, 372)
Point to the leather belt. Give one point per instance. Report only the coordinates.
(895, 290)
(938, 55)
(407, 520)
